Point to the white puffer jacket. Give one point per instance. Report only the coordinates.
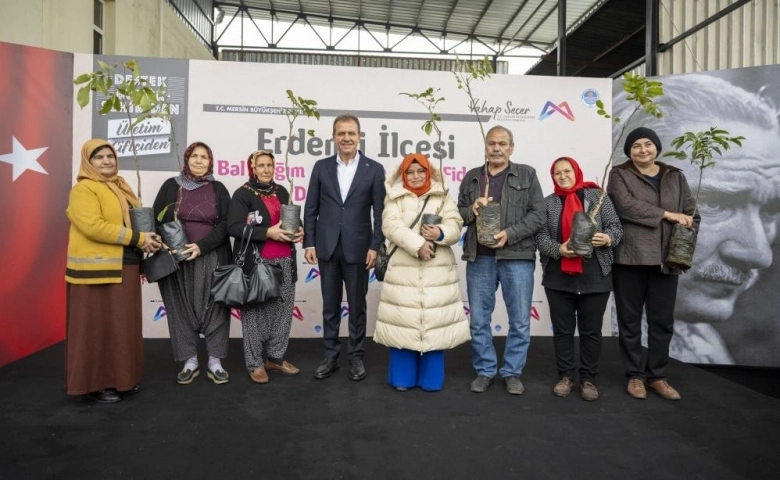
(420, 307)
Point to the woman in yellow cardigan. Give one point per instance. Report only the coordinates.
(103, 330)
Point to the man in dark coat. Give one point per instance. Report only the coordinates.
(344, 190)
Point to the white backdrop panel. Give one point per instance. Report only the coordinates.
(235, 108)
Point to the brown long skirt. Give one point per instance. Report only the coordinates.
(104, 338)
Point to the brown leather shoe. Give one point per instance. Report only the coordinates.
(588, 391)
(662, 388)
(563, 387)
(636, 388)
(286, 368)
(259, 375)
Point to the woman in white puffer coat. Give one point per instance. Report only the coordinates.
(420, 309)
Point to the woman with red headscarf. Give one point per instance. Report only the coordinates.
(420, 308)
(577, 288)
(266, 326)
(201, 204)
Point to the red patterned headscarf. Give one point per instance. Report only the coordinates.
(209, 176)
(571, 205)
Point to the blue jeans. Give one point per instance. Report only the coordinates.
(516, 277)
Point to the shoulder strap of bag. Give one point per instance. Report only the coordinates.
(412, 225)
(244, 245)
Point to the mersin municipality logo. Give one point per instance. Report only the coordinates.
(562, 108)
(313, 274)
(159, 314)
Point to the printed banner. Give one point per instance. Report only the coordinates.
(237, 108)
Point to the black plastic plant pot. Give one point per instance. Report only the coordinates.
(174, 237)
(291, 217)
(142, 219)
(488, 223)
(583, 228)
(682, 247)
(430, 219)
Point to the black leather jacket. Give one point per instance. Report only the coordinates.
(522, 212)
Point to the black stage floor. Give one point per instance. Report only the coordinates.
(299, 427)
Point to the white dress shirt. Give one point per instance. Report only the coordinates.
(346, 174)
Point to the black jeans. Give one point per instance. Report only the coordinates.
(639, 288)
(586, 313)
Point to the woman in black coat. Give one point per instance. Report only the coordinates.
(265, 326)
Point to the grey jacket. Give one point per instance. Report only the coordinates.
(522, 212)
(607, 221)
(646, 235)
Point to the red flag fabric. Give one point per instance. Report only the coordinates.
(36, 101)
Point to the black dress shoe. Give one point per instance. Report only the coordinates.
(357, 371)
(326, 368)
(108, 395)
(132, 391)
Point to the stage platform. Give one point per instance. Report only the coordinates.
(303, 428)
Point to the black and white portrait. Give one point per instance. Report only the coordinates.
(728, 305)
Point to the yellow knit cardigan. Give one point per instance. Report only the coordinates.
(97, 235)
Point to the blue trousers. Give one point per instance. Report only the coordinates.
(409, 369)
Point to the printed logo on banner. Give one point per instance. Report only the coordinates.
(535, 314)
(297, 314)
(317, 329)
(160, 314)
(551, 108)
(372, 278)
(312, 275)
(589, 97)
(497, 328)
(506, 111)
(466, 309)
(344, 311)
(462, 240)
(153, 136)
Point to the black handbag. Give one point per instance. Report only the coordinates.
(383, 257)
(159, 265)
(265, 281)
(229, 284)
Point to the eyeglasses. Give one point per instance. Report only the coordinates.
(419, 173)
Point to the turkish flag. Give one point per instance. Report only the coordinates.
(36, 125)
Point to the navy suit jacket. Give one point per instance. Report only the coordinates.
(326, 218)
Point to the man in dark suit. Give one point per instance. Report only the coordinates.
(343, 191)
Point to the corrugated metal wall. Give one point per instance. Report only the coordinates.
(198, 16)
(747, 37)
(302, 58)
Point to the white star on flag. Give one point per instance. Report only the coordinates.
(22, 159)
